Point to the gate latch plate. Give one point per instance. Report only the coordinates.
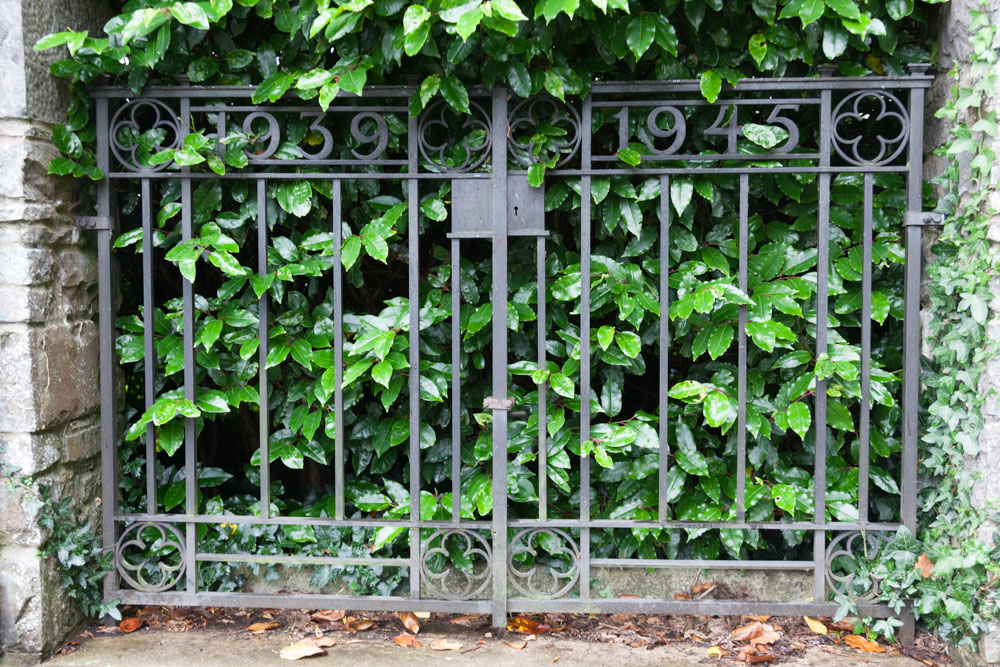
(92, 222)
(491, 403)
(923, 219)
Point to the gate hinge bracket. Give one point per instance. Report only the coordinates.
(491, 403)
(92, 222)
(923, 219)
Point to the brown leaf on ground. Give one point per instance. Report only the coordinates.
(329, 615)
(321, 641)
(469, 619)
(422, 615)
(845, 625)
(747, 632)
(130, 624)
(862, 644)
(263, 626)
(300, 650)
(409, 621)
(518, 644)
(701, 588)
(815, 625)
(762, 619)
(526, 626)
(354, 625)
(681, 596)
(446, 644)
(407, 640)
(760, 657)
(769, 636)
(925, 566)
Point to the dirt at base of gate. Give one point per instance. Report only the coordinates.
(194, 636)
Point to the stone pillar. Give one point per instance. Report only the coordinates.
(48, 334)
(955, 50)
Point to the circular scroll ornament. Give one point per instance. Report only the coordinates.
(147, 547)
(443, 134)
(452, 583)
(848, 558)
(529, 115)
(868, 108)
(538, 581)
(136, 118)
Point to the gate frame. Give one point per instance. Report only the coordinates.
(501, 603)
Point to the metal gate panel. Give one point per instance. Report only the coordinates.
(491, 201)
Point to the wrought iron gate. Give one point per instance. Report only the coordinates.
(495, 203)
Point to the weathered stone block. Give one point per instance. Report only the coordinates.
(21, 304)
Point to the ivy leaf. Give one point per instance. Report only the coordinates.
(350, 251)
(189, 13)
(629, 156)
(710, 85)
(719, 340)
(414, 17)
(554, 84)
(295, 197)
(758, 48)
(799, 418)
(846, 8)
(518, 78)
(810, 10)
(784, 497)
(681, 191)
(640, 33)
(455, 94)
(382, 372)
(354, 80)
(834, 39)
(605, 336)
(690, 459)
(509, 10)
(718, 409)
(562, 385)
(272, 88)
(536, 174)
(629, 342)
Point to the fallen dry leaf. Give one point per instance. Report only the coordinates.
(760, 657)
(445, 644)
(862, 644)
(769, 636)
(354, 625)
(516, 644)
(130, 624)
(263, 627)
(321, 641)
(407, 640)
(716, 651)
(681, 596)
(925, 566)
(747, 632)
(762, 619)
(300, 650)
(409, 621)
(423, 615)
(330, 615)
(526, 626)
(701, 588)
(469, 619)
(815, 625)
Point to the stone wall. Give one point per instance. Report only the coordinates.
(956, 50)
(48, 334)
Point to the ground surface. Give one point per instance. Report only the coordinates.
(195, 637)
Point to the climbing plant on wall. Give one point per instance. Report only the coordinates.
(317, 50)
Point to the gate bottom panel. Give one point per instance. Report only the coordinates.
(302, 601)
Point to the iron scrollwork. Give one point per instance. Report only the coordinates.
(557, 544)
(137, 556)
(872, 110)
(847, 559)
(448, 141)
(453, 583)
(529, 115)
(143, 121)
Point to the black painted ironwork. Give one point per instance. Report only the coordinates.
(868, 126)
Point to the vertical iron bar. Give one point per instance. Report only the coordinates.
(664, 423)
(149, 363)
(741, 390)
(866, 351)
(585, 163)
(456, 379)
(911, 309)
(263, 346)
(499, 298)
(413, 294)
(338, 350)
(543, 453)
(190, 437)
(822, 290)
(109, 454)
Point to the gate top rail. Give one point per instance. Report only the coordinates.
(918, 79)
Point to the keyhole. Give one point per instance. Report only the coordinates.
(515, 210)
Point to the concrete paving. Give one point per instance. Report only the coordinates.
(222, 648)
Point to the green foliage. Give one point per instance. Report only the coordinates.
(313, 49)
(71, 539)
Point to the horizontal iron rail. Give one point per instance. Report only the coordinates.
(302, 560)
(706, 564)
(513, 523)
(798, 84)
